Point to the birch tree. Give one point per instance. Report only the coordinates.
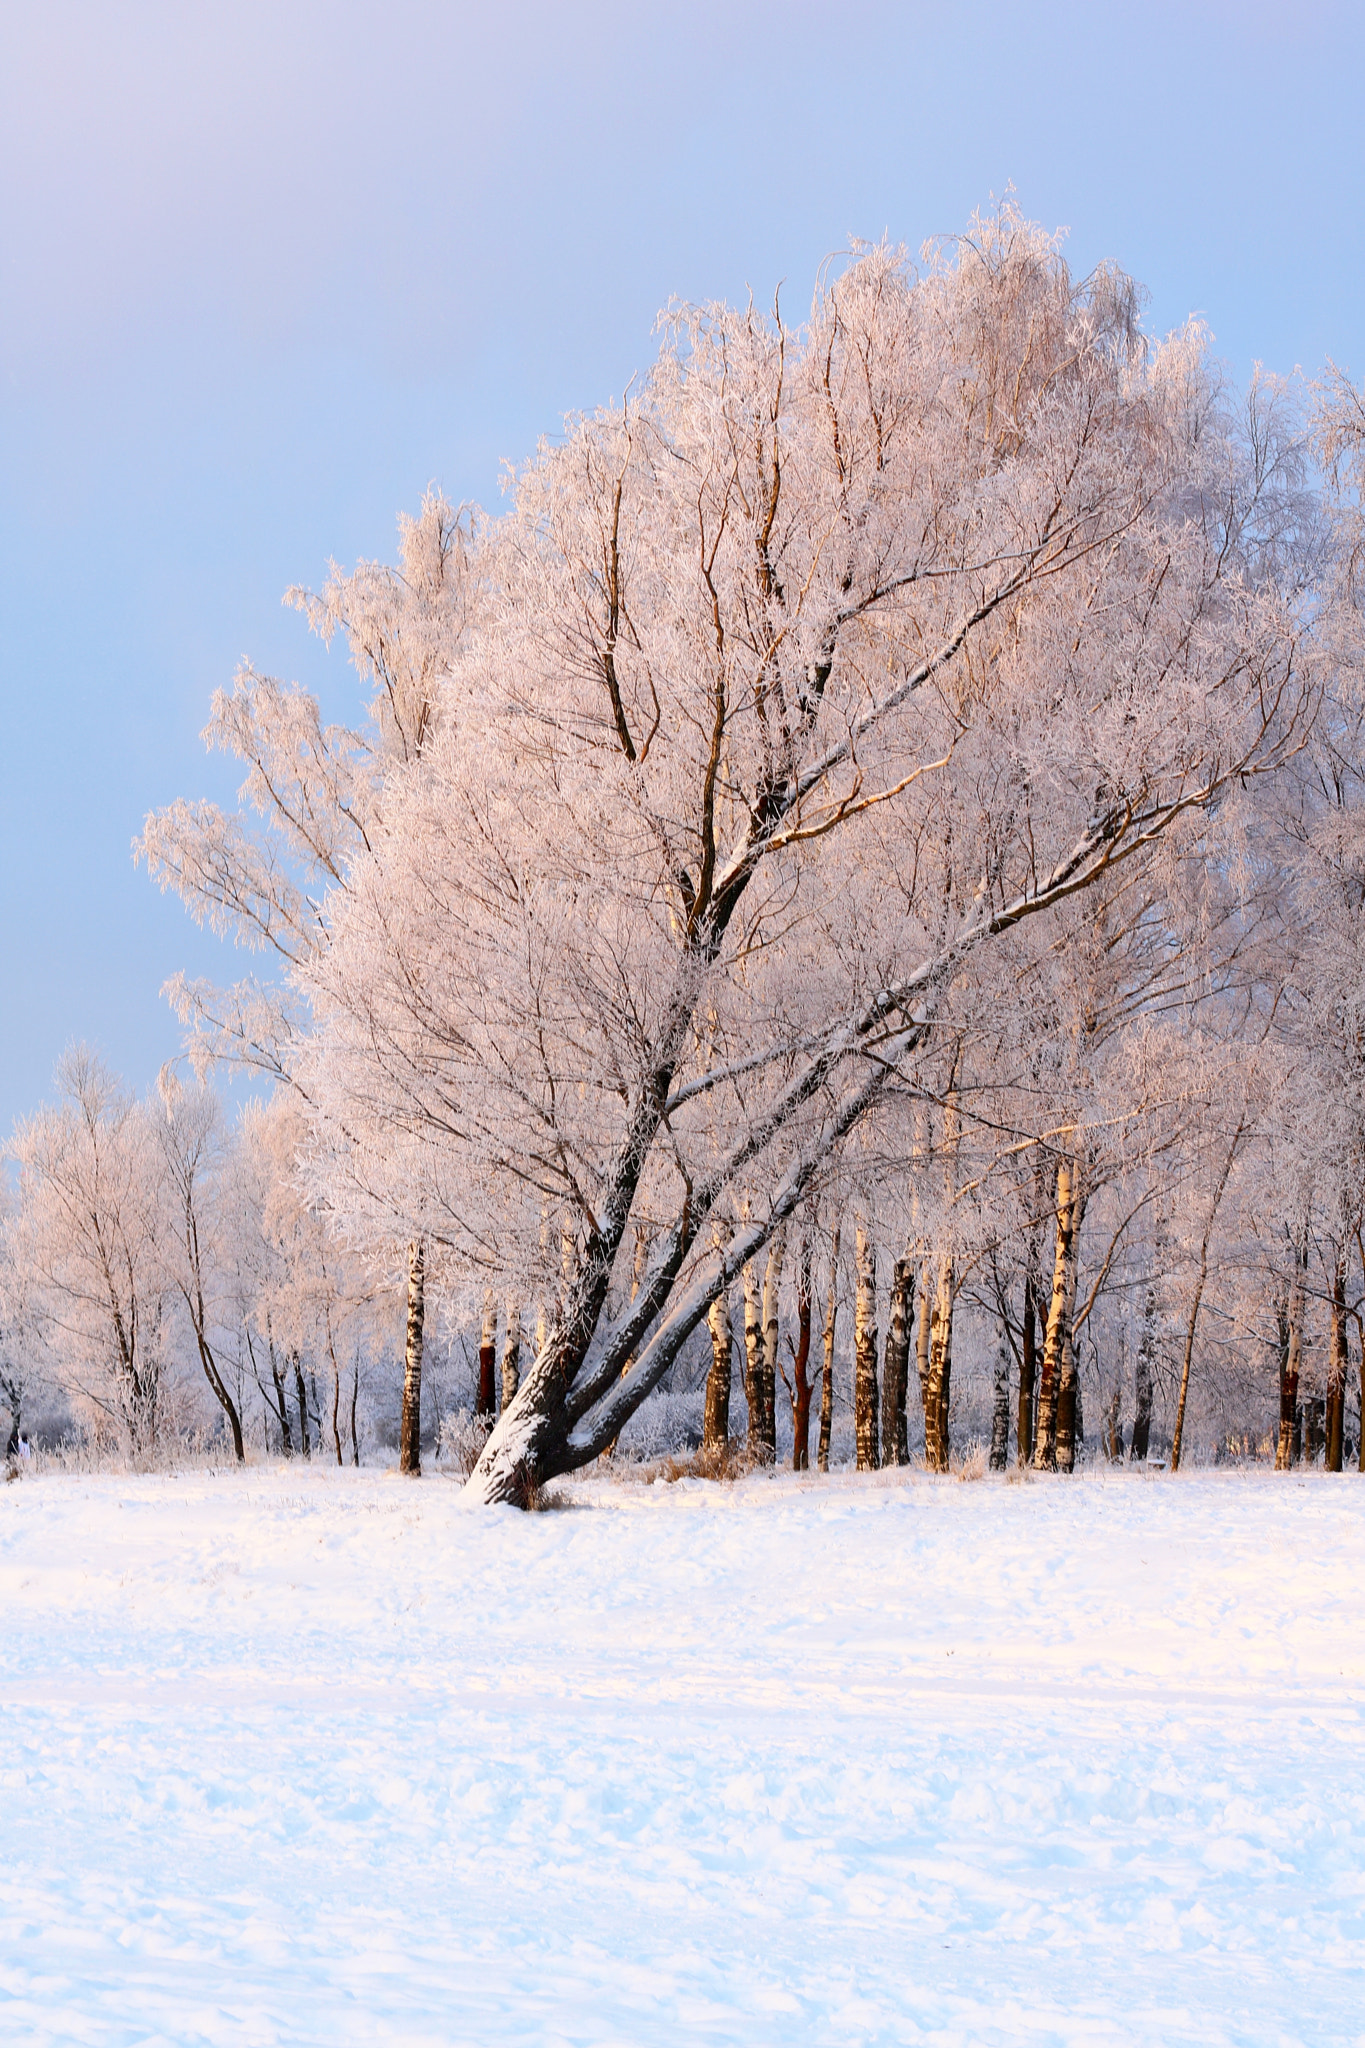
(961, 562)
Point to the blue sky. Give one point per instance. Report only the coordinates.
(266, 270)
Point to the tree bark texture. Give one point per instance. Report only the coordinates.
(410, 1428)
(1028, 1376)
(936, 1445)
(1049, 1383)
(302, 1399)
(1068, 1385)
(753, 1360)
(486, 1407)
(772, 1331)
(1337, 1367)
(827, 1375)
(923, 1337)
(511, 1354)
(1143, 1380)
(896, 1379)
(715, 1428)
(1000, 1405)
(802, 1386)
(1291, 1365)
(865, 1352)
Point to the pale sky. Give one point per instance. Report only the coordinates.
(267, 271)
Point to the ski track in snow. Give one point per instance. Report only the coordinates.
(316, 1756)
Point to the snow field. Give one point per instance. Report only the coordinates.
(315, 1756)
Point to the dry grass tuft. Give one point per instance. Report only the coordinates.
(973, 1466)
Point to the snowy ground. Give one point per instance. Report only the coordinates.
(322, 1757)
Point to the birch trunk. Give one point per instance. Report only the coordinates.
(511, 1354)
(410, 1427)
(827, 1375)
(1045, 1443)
(936, 1446)
(865, 1352)
(485, 1408)
(772, 1287)
(1000, 1406)
(715, 1429)
(1177, 1442)
(1028, 1376)
(896, 1381)
(1068, 1389)
(1337, 1366)
(923, 1337)
(753, 1361)
(801, 1381)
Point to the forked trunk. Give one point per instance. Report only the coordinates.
(1336, 1367)
(772, 1286)
(486, 1407)
(896, 1380)
(827, 1375)
(937, 1451)
(1049, 1384)
(802, 1387)
(410, 1431)
(511, 1354)
(865, 1353)
(1028, 1377)
(1000, 1405)
(715, 1428)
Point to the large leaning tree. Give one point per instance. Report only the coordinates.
(787, 687)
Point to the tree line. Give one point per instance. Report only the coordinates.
(873, 827)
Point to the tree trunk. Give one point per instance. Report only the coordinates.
(1291, 1365)
(1143, 1381)
(1068, 1385)
(801, 1382)
(336, 1386)
(772, 1285)
(1177, 1442)
(1337, 1366)
(410, 1428)
(486, 1406)
(896, 1383)
(281, 1393)
(923, 1340)
(355, 1397)
(715, 1429)
(865, 1352)
(1000, 1406)
(936, 1445)
(1028, 1376)
(753, 1361)
(827, 1375)
(303, 1405)
(511, 1354)
(1045, 1443)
